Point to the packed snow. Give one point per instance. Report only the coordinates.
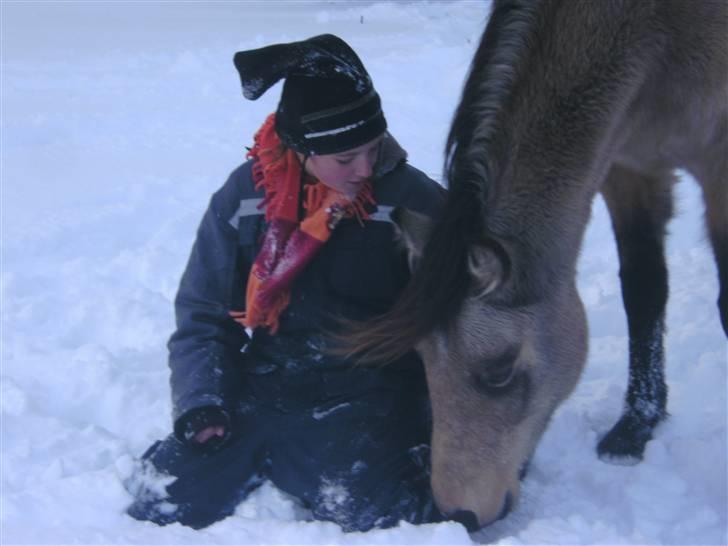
(119, 120)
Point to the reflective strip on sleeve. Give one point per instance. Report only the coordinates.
(248, 207)
(383, 214)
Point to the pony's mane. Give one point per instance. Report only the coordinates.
(476, 140)
(478, 133)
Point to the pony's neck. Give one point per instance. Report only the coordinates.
(547, 106)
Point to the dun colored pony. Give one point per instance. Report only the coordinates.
(565, 98)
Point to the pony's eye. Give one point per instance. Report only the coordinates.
(499, 376)
(494, 378)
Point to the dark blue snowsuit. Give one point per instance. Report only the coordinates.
(350, 442)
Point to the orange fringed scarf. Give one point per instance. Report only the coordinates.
(289, 243)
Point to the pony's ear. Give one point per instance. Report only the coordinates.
(487, 269)
(413, 230)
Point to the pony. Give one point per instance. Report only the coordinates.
(564, 99)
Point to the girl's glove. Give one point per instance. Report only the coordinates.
(207, 427)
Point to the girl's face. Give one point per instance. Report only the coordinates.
(346, 171)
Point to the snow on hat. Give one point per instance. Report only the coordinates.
(328, 104)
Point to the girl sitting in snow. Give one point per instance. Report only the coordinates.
(297, 238)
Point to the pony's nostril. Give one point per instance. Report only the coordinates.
(467, 518)
(507, 505)
(470, 520)
(523, 472)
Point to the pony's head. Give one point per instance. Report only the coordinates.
(495, 371)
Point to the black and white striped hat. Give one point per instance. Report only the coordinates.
(328, 104)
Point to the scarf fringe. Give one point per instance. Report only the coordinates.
(269, 165)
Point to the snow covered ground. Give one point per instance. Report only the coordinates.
(119, 119)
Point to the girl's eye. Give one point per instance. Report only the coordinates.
(344, 161)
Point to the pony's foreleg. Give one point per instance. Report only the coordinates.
(713, 178)
(718, 232)
(640, 207)
(719, 239)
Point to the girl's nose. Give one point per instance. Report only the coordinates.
(364, 167)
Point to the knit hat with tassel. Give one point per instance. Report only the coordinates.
(328, 104)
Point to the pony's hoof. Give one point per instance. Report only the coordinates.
(625, 443)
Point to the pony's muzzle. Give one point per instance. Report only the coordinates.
(467, 519)
(470, 521)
